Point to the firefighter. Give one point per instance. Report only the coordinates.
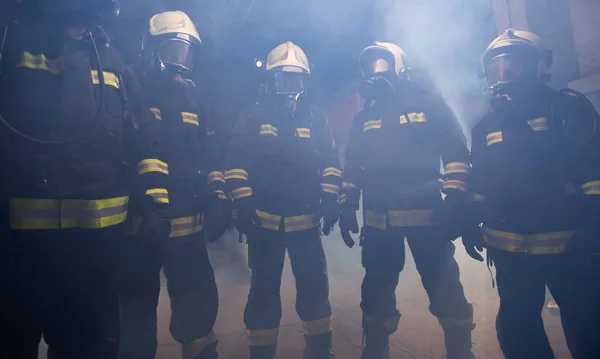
(284, 176)
(168, 56)
(73, 126)
(535, 186)
(393, 158)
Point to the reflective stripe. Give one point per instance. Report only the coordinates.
(152, 165)
(159, 195)
(156, 113)
(413, 218)
(269, 221)
(457, 167)
(539, 124)
(195, 348)
(376, 220)
(241, 192)
(318, 327)
(41, 62)
(370, 125)
(332, 171)
(536, 243)
(298, 223)
(262, 337)
(591, 188)
(391, 323)
(236, 174)
(216, 176)
(330, 188)
(349, 185)
(476, 197)
(221, 195)
(343, 198)
(268, 129)
(417, 117)
(110, 79)
(184, 226)
(403, 119)
(494, 137)
(189, 117)
(31, 213)
(303, 132)
(454, 184)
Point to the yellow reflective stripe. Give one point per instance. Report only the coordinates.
(216, 176)
(370, 125)
(349, 185)
(303, 132)
(298, 223)
(152, 165)
(330, 188)
(539, 124)
(332, 171)
(262, 337)
(413, 218)
(195, 348)
(376, 220)
(536, 243)
(476, 197)
(417, 117)
(189, 117)
(454, 184)
(184, 226)
(236, 173)
(221, 195)
(241, 192)
(268, 129)
(591, 188)
(41, 62)
(110, 79)
(28, 213)
(156, 113)
(403, 119)
(494, 137)
(318, 327)
(269, 221)
(343, 198)
(159, 195)
(457, 167)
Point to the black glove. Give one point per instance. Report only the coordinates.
(245, 217)
(472, 239)
(450, 215)
(329, 210)
(348, 223)
(217, 215)
(153, 226)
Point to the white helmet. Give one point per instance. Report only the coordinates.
(380, 58)
(516, 55)
(288, 57)
(171, 41)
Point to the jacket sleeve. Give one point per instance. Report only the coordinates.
(146, 151)
(450, 138)
(212, 155)
(239, 158)
(330, 169)
(476, 177)
(350, 194)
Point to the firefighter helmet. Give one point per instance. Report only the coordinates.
(516, 56)
(171, 41)
(382, 57)
(288, 57)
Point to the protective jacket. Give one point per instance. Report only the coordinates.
(394, 157)
(192, 154)
(104, 145)
(285, 165)
(534, 170)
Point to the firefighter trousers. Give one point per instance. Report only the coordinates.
(263, 310)
(192, 289)
(62, 286)
(383, 257)
(522, 279)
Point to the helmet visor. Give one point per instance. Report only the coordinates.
(288, 83)
(177, 53)
(376, 61)
(508, 68)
